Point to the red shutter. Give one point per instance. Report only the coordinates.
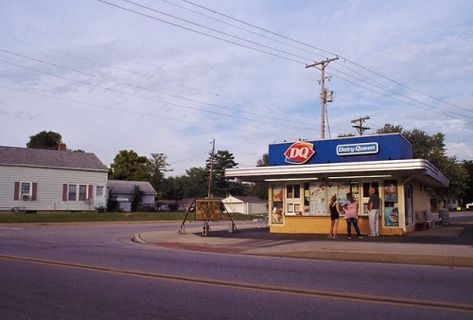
(91, 191)
(35, 191)
(16, 195)
(64, 192)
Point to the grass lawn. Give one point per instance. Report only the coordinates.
(108, 216)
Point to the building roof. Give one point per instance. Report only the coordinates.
(53, 159)
(127, 187)
(245, 199)
(420, 169)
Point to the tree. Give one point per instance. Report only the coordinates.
(432, 148)
(264, 161)
(158, 166)
(128, 165)
(260, 189)
(44, 140)
(136, 199)
(195, 182)
(222, 160)
(389, 128)
(468, 167)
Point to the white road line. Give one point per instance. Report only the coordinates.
(11, 228)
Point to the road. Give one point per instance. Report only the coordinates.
(94, 271)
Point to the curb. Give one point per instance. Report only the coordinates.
(334, 255)
(381, 257)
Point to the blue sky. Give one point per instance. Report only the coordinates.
(108, 79)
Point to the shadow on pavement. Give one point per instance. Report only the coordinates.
(459, 232)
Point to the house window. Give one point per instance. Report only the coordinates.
(25, 190)
(72, 194)
(82, 192)
(99, 191)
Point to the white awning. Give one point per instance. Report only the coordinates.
(419, 169)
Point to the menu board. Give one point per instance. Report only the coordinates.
(317, 198)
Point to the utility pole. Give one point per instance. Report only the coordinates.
(323, 94)
(359, 124)
(211, 169)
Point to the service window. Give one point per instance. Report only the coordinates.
(293, 199)
(365, 197)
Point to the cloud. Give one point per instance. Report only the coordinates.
(242, 98)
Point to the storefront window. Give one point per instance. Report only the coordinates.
(277, 212)
(391, 211)
(293, 199)
(320, 194)
(293, 191)
(365, 197)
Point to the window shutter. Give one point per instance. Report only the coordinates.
(64, 192)
(35, 191)
(16, 195)
(91, 191)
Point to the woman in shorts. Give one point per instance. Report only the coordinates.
(334, 216)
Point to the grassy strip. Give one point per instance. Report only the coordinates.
(108, 216)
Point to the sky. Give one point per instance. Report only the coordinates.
(169, 76)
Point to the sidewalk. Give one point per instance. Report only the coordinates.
(445, 246)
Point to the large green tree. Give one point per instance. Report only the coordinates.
(195, 182)
(432, 148)
(158, 166)
(222, 160)
(44, 140)
(128, 165)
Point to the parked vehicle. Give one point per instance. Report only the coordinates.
(164, 208)
(181, 209)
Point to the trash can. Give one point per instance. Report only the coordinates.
(444, 216)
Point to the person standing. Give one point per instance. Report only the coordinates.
(334, 216)
(351, 215)
(373, 212)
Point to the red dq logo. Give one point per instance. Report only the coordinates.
(299, 152)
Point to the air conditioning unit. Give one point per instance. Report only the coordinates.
(25, 197)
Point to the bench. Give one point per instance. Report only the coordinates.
(426, 220)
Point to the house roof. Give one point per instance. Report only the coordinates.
(420, 169)
(126, 187)
(42, 158)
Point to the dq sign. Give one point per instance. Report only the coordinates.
(299, 152)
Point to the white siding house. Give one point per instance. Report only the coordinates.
(49, 180)
(122, 192)
(245, 205)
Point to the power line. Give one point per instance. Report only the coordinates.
(324, 51)
(238, 27)
(266, 30)
(213, 29)
(202, 33)
(141, 97)
(144, 88)
(397, 99)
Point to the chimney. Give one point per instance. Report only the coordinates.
(61, 146)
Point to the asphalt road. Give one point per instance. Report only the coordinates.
(94, 271)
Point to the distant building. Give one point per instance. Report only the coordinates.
(51, 180)
(245, 205)
(122, 192)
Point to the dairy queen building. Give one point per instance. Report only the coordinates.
(302, 177)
